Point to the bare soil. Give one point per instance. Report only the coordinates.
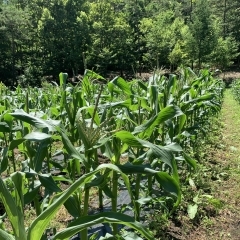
(229, 77)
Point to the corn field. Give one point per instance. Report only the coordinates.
(147, 133)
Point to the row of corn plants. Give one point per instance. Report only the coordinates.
(235, 87)
(148, 131)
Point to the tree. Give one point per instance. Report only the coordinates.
(15, 31)
(42, 37)
(111, 38)
(225, 52)
(135, 12)
(202, 29)
(63, 30)
(164, 35)
(180, 51)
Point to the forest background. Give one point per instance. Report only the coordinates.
(42, 38)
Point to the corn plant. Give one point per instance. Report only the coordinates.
(14, 210)
(236, 89)
(146, 130)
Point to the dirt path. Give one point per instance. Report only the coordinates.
(224, 158)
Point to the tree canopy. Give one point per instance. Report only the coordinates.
(42, 38)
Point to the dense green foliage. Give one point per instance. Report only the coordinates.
(42, 38)
(235, 87)
(148, 132)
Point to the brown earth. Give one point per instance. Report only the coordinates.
(229, 77)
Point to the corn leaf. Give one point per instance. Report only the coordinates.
(4, 127)
(4, 160)
(18, 179)
(5, 236)
(15, 142)
(14, 214)
(164, 115)
(96, 117)
(91, 74)
(41, 154)
(34, 121)
(122, 84)
(158, 151)
(108, 217)
(170, 185)
(29, 196)
(37, 136)
(190, 161)
(63, 79)
(48, 182)
(70, 148)
(139, 169)
(40, 223)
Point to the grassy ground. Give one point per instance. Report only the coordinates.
(219, 218)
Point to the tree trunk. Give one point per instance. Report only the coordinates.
(13, 59)
(224, 19)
